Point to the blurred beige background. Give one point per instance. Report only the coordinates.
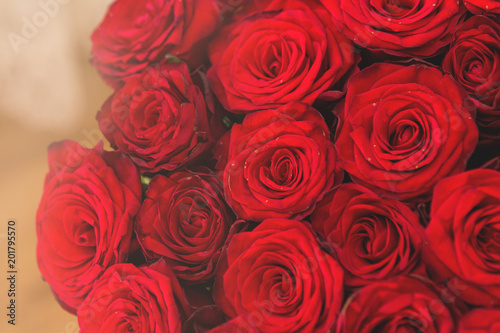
(48, 92)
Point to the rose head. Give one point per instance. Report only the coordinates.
(289, 52)
(277, 278)
(414, 28)
(371, 237)
(185, 220)
(129, 299)
(402, 304)
(160, 119)
(403, 128)
(474, 61)
(85, 218)
(280, 163)
(135, 34)
(464, 235)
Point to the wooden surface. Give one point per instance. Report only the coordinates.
(48, 92)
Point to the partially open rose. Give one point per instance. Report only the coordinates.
(403, 128)
(85, 218)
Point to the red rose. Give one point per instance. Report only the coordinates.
(483, 6)
(464, 235)
(130, 299)
(402, 128)
(402, 304)
(160, 119)
(480, 321)
(372, 238)
(85, 217)
(288, 52)
(135, 34)
(474, 61)
(185, 220)
(408, 29)
(278, 279)
(280, 163)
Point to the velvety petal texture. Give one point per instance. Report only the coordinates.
(402, 304)
(161, 119)
(371, 237)
(407, 28)
(280, 163)
(464, 235)
(286, 51)
(474, 61)
(185, 220)
(278, 279)
(402, 128)
(126, 299)
(135, 34)
(85, 218)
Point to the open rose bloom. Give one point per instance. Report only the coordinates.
(284, 166)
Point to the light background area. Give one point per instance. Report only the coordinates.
(48, 92)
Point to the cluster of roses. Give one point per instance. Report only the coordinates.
(274, 172)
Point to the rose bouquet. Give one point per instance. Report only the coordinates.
(284, 166)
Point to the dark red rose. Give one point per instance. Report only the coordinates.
(85, 218)
(135, 34)
(160, 119)
(474, 61)
(464, 235)
(277, 278)
(371, 237)
(185, 220)
(483, 6)
(403, 128)
(288, 52)
(417, 28)
(280, 163)
(402, 304)
(130, 299)
(480, 321)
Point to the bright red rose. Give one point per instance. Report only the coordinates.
(480, 321)
(403, 128)
(474, 61)
(483, 6)
(280, 163)
(371, 237)
(129, 299)
(161, 119)
(85, 218)
(464, 235)
(277, 278)
(402, 304)
(185, 220)
(287, 52)
(135, 34)
(418, 28)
